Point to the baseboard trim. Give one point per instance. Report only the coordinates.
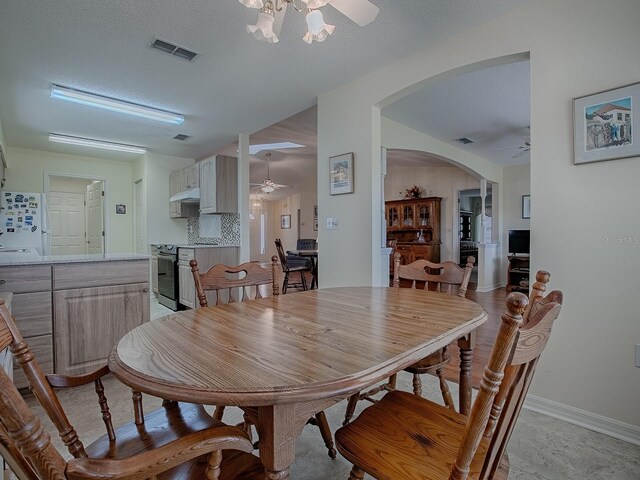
(582, 418)
(490, 288)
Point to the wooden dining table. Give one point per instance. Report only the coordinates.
(291, 356)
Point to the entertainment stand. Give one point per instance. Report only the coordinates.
(518, 273)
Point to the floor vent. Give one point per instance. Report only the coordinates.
(174, 50)
(182, 137)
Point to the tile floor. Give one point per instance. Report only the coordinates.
(541, 448)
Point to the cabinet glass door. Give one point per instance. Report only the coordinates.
(393, 220)
(407, 216)
(423, 215)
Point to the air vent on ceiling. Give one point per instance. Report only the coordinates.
(174, 50)
(464, 140)
(182, 137)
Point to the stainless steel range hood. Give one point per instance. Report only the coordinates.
(188, 196)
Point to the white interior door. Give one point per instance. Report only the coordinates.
(95, 218)
(139, 215)
(67, 229)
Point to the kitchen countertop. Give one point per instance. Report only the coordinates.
(14, 259)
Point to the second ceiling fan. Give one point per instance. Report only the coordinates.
(267, 186)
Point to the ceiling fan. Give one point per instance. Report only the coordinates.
(267, 186)
(272, 12)
(524, 148)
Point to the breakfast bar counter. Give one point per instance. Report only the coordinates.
(72, 309)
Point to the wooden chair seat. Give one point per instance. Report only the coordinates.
(430, 363)
(419, 438)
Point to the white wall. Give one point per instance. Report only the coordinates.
(27, 168)
(68, 184)
(580, 211)
(2, 144)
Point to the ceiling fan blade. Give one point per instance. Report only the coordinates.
(363, 12)
(278, 19)
(519, 154)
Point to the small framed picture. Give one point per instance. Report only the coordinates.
(341, 174)
(526, 206)
(603, 125)
(285, 221)
(121, 209)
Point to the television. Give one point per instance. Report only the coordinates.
(518, 242)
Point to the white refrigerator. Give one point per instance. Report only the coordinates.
(24, 221)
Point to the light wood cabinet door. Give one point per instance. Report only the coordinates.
(208, 185)
(175, 182)
(191, 177)
(96, 319)
(186, 285)
(33, 314)
(27, 278)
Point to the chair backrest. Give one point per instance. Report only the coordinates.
(244, 279)
(506, 379)
(281, 255)
(24, 444)
(306, 244)
(449, 274)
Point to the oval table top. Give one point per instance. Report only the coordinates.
(290, 348)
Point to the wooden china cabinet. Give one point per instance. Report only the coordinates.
(415, 225)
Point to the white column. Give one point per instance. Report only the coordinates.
(243, 197)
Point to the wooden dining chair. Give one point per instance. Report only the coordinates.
(289, 267)
(406, 437)
(177, 441)
(446, 277)
(223, 281)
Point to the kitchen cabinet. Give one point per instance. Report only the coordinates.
(187, 288)
(31, 306)
(219, 185)
(180, 181)
(206, 258)
(94, 305)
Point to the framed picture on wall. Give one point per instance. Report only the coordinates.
(285, 221)
(341, 174)
(526, 206)
(603, 125)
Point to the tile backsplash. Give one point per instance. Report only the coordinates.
(223, 229)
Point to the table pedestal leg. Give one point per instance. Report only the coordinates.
(466, 345)
(278, 427)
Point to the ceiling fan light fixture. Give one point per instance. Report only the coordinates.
(268, 189)
(252, 3)
(263, 29)
(318, 30)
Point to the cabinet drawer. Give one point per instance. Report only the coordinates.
(186, 254)
(42, 349)
(33, 313)
(27, 278)
(81, 275)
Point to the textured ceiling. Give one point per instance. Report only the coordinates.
(236, 84)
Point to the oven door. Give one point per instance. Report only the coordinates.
(167, 279)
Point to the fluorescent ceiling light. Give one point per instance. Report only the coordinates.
(253, 149)
(88, 142)
(113, 105)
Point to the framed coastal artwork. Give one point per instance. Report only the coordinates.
(285, 221)
(603, 125)
(341, 174)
